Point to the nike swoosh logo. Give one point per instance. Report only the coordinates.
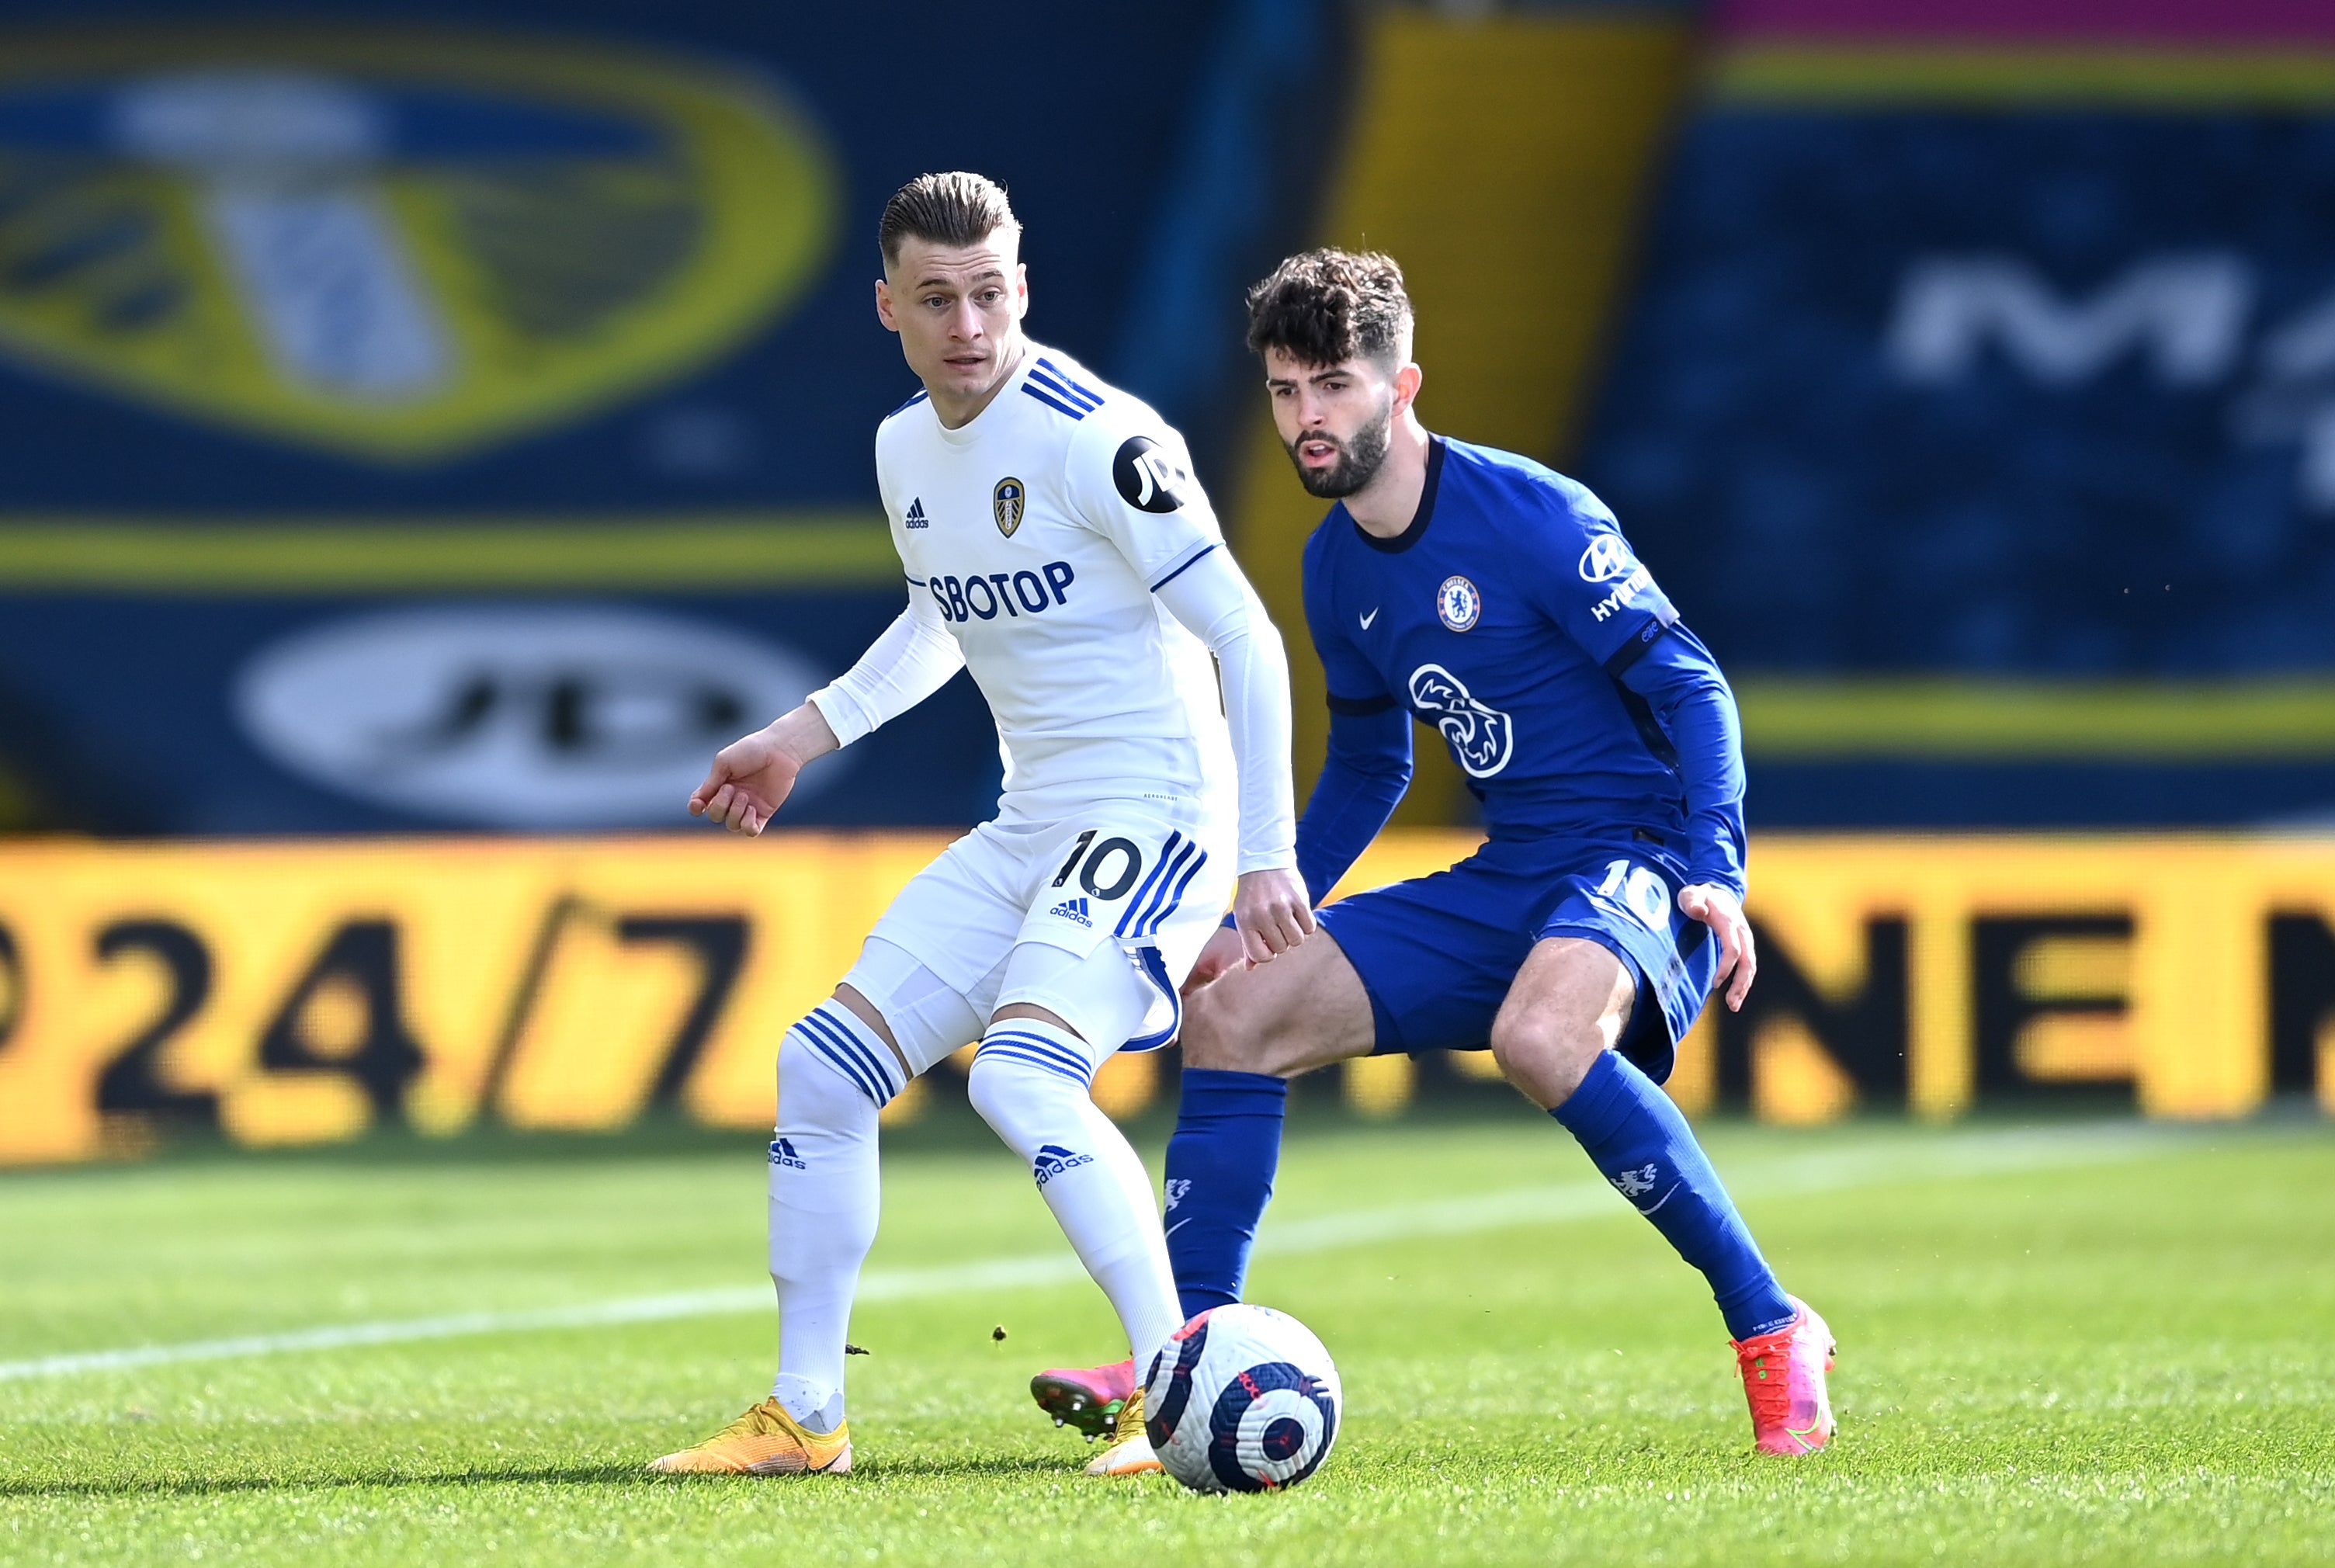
(1178, 1225)
(1372, 617)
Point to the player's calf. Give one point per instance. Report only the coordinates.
(1243, 1036)
(1030, 1081)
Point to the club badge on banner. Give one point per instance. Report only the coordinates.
(395, 243)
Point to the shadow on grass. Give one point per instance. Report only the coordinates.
(971, 1467)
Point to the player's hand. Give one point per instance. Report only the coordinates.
(1718, 909)
(752, 777)
(1272, 913)
(1224, 952)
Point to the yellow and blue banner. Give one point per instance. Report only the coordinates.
(305, 992)
(396, 410)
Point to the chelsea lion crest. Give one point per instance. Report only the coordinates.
(1006, 500)
(1458, 603)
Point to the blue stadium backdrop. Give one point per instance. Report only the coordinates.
(463, 419)
(1978, 406)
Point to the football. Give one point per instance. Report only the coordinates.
(1242, 1399)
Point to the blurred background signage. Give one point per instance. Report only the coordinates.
(413, 426)
(1985, 359)
(396, 244)
(390, 406)
(305, 993)
(1967, 375)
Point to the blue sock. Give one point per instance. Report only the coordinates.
(1220, 1167)
(1641, 1143)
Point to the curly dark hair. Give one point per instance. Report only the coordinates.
(1326, 305)
(952, 209)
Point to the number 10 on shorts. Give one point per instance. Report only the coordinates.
(1639, 891)
(1106, 873)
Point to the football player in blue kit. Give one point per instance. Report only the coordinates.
(1497, 602)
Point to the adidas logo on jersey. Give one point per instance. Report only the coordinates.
(915, 517)
(1053, 1159)
(782, 1152)
(1073, 909)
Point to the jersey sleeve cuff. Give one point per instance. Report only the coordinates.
(842, 714)
(1264, 860)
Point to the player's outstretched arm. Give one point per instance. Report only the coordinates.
(752, 777)
(907, 664)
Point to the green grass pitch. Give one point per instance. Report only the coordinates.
(2092, 1342)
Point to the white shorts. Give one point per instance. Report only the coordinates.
(1096, 916)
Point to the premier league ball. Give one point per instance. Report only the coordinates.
(1243, 1398)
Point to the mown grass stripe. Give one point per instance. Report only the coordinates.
(1971, 1154)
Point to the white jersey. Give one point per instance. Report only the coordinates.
(1037, 534)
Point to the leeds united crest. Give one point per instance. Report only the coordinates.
(373, 241)
(1005, 500)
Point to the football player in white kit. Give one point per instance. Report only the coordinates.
(1055, 544)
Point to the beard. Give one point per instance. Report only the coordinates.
(1359, 458)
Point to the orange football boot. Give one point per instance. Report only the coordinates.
(764, 1441)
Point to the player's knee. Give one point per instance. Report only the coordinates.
(1546, 1054)
(1205, 1040)
(1015, 1097)
(1222, 1032)
(988, 1085)
(813, 1092)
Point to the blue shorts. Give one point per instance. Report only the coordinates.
(1437, 955)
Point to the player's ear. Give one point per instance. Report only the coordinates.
(1407, 382)
(883, 307)
(1021, 289)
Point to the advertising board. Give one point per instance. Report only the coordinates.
(305, 992)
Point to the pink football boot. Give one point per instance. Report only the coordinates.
(1784, 1378)
(1090, 1400)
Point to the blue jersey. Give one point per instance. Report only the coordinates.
(1513, 617)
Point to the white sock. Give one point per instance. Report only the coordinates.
(1030, 1082)
(835, 1073)
(818, 1408)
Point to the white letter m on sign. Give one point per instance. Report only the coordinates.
(2185, 314)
